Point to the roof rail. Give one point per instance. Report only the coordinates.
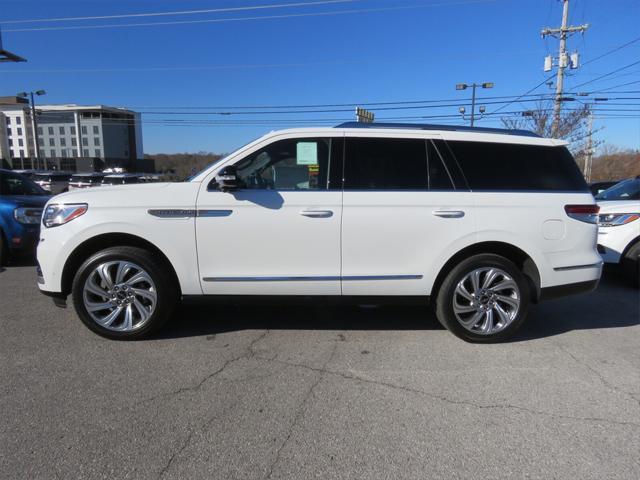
(451, 128)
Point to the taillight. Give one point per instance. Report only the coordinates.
(583, 213)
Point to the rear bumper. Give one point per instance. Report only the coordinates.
(559, 291)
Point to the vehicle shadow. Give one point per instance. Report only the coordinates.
(612, 305)
(23, 261)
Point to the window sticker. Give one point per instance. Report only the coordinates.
(307, 153)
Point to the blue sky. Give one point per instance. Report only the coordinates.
(389, 55)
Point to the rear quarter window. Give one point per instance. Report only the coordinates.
(504, 167)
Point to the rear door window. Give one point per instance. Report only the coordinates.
(386, 164)
(513, 167)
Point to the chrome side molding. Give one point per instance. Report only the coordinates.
(324, 278)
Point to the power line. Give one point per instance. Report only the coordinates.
(618, 86)
(242, 19)
(620, 47)
(607, 74)
(178, 12)
(526, 93)
(326, 105)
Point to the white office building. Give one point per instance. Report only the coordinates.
(111, 135)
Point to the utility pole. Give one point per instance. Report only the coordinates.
(563, 61)
(589, 158)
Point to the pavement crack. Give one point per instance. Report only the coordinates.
(301, 407)
(599, 375)
(450, 401)
(184, 445)
(203, 428)
(248, 353)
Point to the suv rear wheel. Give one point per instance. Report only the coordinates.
(123, 293)
(484, 299)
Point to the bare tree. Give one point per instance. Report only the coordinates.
(572, 126)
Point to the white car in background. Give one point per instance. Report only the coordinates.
(619, 229)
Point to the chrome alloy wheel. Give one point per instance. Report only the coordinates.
(486, 301)
(119, 296)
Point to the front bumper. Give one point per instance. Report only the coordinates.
(24, 241)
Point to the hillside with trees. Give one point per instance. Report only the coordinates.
(615, 164)
(182, 165)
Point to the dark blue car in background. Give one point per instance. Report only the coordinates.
(21, 204)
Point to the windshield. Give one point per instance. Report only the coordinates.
(13, 184)
(625, 190)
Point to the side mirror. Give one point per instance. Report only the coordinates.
(227, 178)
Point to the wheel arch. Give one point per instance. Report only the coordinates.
(518, 256)
(106, 240)
(629, 246)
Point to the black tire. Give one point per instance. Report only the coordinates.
(631, 265)
(445, 298)
(165, 286)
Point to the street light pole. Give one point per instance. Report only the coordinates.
(34, 121)
(473, 86)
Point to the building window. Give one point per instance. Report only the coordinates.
(21, 153)
(74, 153)
(96, 130)
(8, 120)
(39, 130)
(73, 130)
(63, 152)
(18, 120)
(41, 142)
(52, 142)
(96, 141)
(50, 129)
(98, 154)
(85, 141)
(85, 152)
(61, 130)
(8, 131)
(19, 131)
(52, 153)
(20, 142)
(63, 142)
(13, 153)
(74, 142)
(10, 143)
(84, 129)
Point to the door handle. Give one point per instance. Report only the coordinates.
(316, 213)
(449, 213)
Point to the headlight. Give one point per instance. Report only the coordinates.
(56, 214)
(28, 216)
(617, 219)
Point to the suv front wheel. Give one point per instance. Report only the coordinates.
(124, 293)
(484, 299)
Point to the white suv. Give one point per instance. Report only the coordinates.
(619, 229)
(481, 222)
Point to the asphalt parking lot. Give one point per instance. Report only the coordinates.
(300, 392)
